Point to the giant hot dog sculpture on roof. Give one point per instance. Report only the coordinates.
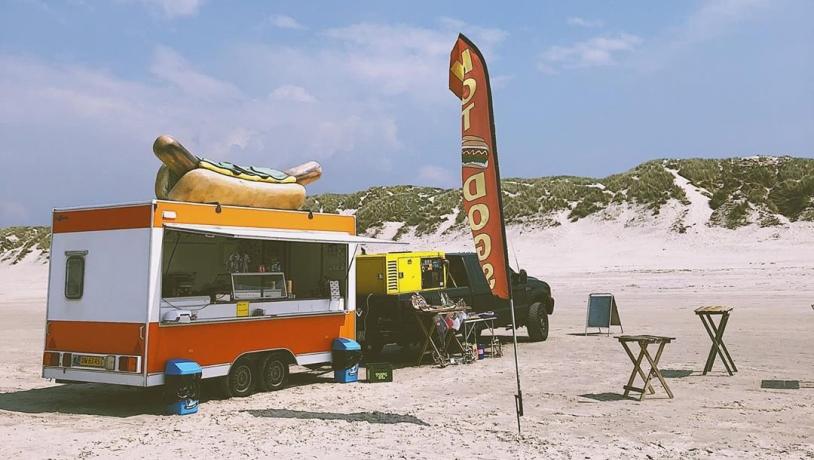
(186, 177)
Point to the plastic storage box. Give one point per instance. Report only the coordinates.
(379, 372)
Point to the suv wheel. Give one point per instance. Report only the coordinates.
(537, 323)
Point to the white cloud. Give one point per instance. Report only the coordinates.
(105, 125)
(285, 22)
(586, 23)
(174, 8)
(500, 81)
(713, 19)
(436, 175)
(345, 135)
(486, 38)
(292, 93)
(406, 59)
(173, 68)
(12, 211)
(369, 98)
(597, 51)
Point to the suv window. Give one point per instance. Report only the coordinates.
(457, 272)
(74, 276)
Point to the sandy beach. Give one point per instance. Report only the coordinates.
(215, 183)
(572, 383)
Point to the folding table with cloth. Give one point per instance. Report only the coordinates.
(439, 325)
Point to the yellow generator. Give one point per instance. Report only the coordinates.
(400, 272)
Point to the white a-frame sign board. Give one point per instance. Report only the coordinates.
(602, 312)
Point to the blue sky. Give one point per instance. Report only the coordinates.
(587, 88)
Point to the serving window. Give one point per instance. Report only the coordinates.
(229, 270)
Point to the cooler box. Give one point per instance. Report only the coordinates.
(345, 356)
(182, 384)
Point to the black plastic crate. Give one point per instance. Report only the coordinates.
(379, 372)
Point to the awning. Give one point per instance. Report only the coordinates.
(278, 235)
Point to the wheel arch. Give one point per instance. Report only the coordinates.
(546, 300)
(256, 355)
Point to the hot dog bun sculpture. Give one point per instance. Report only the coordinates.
(186, 177)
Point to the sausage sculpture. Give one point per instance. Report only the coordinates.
(186, 177)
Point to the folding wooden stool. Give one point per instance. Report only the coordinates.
(644, 341)
(716, 333)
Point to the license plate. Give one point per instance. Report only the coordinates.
(90, 361)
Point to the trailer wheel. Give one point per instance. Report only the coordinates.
(240, 381)
(537, 323)
(273, 372)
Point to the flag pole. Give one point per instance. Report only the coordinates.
(518, 398)
(481, 178)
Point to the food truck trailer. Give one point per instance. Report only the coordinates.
(243, 292)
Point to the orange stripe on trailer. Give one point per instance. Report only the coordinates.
(95, 337)
(223, 342)
(207, 214)
(117, 218)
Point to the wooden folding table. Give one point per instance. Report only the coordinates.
(644, 341)
(716, 333)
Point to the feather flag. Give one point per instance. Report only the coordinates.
(469, 80)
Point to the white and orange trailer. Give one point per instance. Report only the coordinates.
(243, 292)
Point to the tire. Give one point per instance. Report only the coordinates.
(537, 323)
(241, 380)
(272, 372)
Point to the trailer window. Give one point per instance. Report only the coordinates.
(74, 276)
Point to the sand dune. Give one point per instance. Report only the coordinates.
(572, 383)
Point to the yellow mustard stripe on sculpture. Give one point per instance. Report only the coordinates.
(226, 172)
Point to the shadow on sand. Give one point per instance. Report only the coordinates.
(676, 373)
(606, 397)
(398, 357)
(507, 339)
(87, 399)
(385, 418)
(780, 384)
(119, 401)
